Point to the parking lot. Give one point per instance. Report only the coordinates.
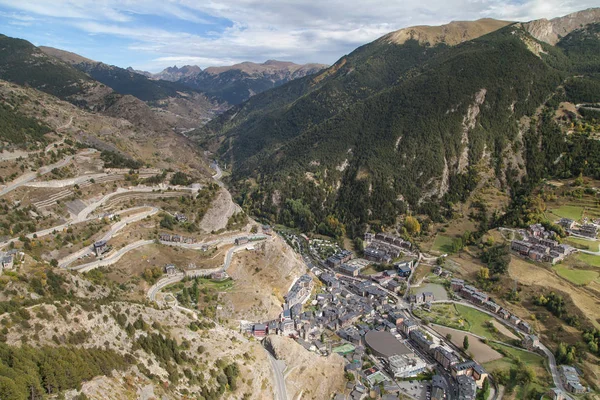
(416, 390)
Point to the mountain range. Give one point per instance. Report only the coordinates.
(410, 120)
(237, 83)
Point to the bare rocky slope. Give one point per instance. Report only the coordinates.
(308, 375)
(451, 34)
(551, 31)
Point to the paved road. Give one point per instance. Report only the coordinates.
(278, 367)
(116, 227)
(113, 258)
(217, 177)
(162, 283)
(407, 291)
(59, 183)
(28, 177)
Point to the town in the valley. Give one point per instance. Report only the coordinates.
(374, 321)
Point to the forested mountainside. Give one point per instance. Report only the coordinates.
(396, 126)
(120, 79)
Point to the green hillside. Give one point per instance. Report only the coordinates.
(127, 82)
(24, 64)
(388, 121)
(18, 129)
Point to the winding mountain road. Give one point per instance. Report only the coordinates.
(113, 258)
(116, 227)
(30, 176)
(278, 367)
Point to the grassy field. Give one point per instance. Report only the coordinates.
(442, 243)
(533, 360)
(568, 211)
(514, 359)
(464, 318)
(481, 352)
(589, 259)
(479, 322)
(576, 276)
(580, 243)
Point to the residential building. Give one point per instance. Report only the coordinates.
(376, 255)
(566, 223)
(491, 306)
(170, 269)
(464, 368)
(438, 388)
(100, 247)
(300, 290)
(241, 240)
(349, 269)
(428, 297)
(457, 284)
(556, 394)
(259, 330)
(531, 342)
(330, 280)
(525, 327)
(570, 379)
(588, 230)
(339, 258)
(513, 319)
(408, 325)
(404, 271)
(7, 261)
(467, 389)
(405, 263)
(445, 357)
(421, 340)
(396, 317)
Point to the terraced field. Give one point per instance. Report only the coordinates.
(574, 212)
(584, 244)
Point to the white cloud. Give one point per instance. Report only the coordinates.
(298, 30)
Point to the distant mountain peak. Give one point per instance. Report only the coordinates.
(137, 71)
(269, 66)
(175, 73)
(451, 34)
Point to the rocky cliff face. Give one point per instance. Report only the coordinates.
(551, 31)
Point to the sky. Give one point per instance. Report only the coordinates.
(153, 34)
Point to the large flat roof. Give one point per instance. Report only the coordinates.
(385, 344)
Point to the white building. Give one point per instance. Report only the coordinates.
(406, 365)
